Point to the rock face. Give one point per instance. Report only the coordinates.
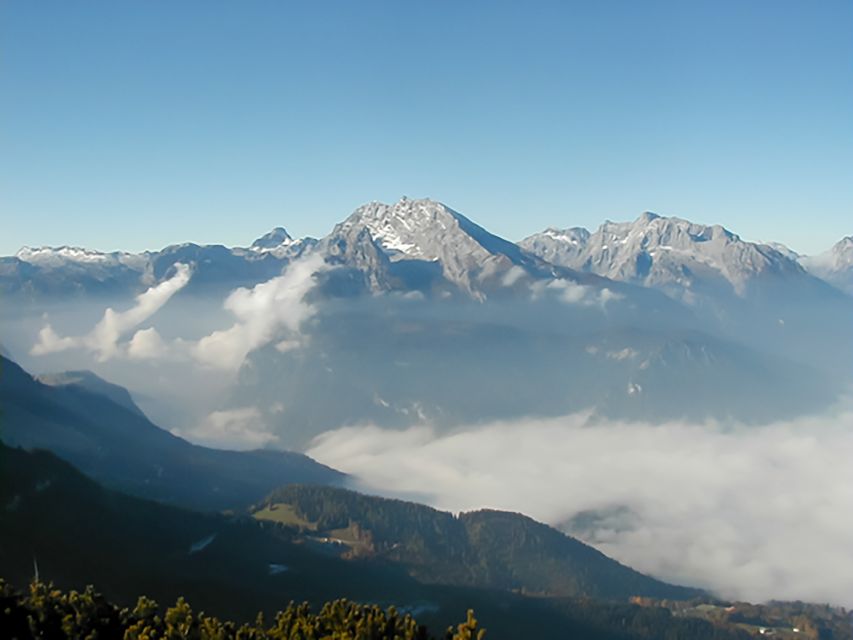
(667, 253)
(425, 230)
(361, 263)
(756, 294)
(426, 246)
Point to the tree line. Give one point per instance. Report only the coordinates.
(43, 611)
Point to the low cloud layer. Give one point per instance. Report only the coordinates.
(103, 339)
(754, 513)
(274, 309)
(235, 429)
(262, 313)
(569, 292)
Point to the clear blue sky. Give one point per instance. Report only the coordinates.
(137, 124)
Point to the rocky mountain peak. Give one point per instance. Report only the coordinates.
(405, 228)
(655, 250)
(430, 231)
(272, 240)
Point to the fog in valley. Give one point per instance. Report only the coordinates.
(631, 422)
(756, 513)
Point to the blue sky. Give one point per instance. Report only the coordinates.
(133, 125)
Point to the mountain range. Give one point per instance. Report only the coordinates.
(680, 257)
(421, 314)
(669, 253)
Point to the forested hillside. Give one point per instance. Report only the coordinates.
(72, 532)
(492, 549)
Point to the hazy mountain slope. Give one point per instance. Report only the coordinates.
(753, 292)
(77, 533)
(395, 365)
(835, 266)
(216, 270)
(121, 448)
(88, 381)
(492, 549)
(58, 275)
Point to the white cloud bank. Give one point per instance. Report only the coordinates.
(754, 513)
(274, 309)
(569, 292)
(263, 313)
(234, 429)
(103, 339)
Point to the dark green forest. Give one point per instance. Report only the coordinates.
(77, 533)
(45, 612)
(491, 549)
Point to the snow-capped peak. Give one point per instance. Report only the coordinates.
(405, 227)
(276, 238)
(54, 257)
(430, 231)
(574, 235)
(38, 255)
(660, 251)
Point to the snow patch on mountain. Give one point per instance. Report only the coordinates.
(670, 253)
(57, 257)
(277, 243)
(430, 231)
(272, 240)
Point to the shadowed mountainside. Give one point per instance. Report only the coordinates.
(119, 447)
(72, 532)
